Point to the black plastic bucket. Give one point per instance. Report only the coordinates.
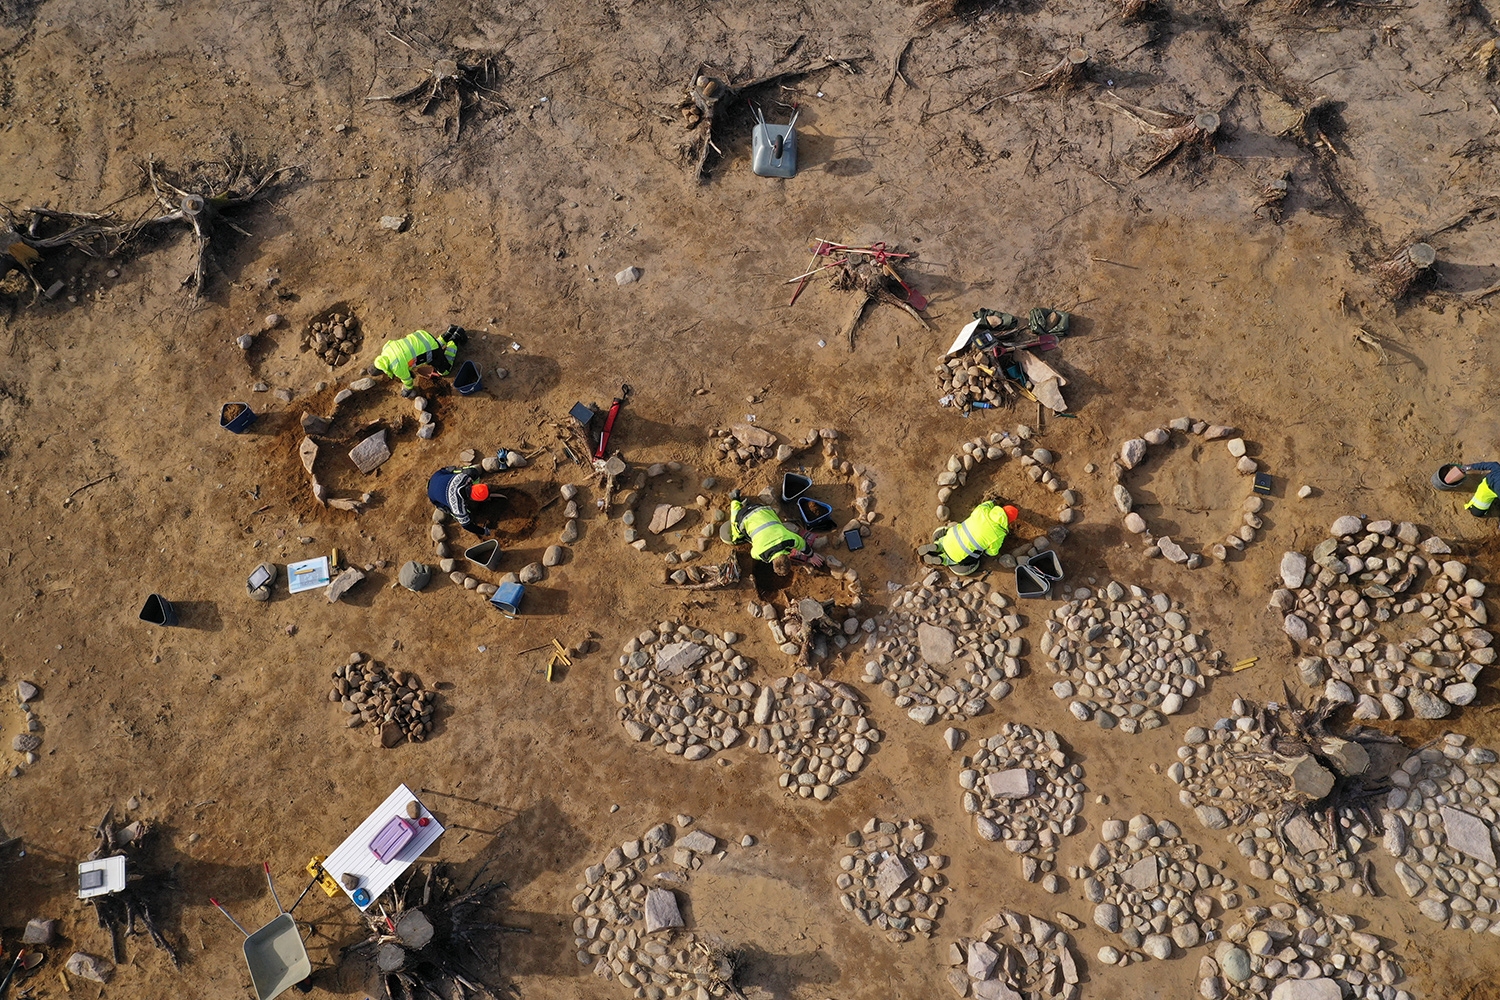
(468, 380)
(240, 421)
(1030, 583)
(1439, 483)
(159, 611)
(486, 554)
(1046, 564)
(793, 485)
(816, 515)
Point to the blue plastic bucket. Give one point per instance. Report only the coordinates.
(236, 424)
(507, 599)
(159, 611)
(468, 380)
(816, 515)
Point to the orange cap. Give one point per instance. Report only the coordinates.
(1011, 513)
(479, 492)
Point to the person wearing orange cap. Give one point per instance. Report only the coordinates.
(960, 546)
(452, 489)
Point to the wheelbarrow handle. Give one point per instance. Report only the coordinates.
(267, 866)
(231, 918)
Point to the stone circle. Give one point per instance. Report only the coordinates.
(1126, 659)
(1148, 886)
(997, 448)
(1224, 776)
(1357, 583)
(1023, 792)
(628, 924)
(891, 882)
(1015, 955)
(948, 647)
(686, 692)
(1134, 451)
(1440, 826)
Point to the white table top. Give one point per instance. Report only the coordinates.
(354, 854)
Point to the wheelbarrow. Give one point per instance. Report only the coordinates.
(275, 953)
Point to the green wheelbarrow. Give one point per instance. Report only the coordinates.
(275, 954)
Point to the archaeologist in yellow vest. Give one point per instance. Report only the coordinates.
(960, 546)
(420, 353)
(1485, 493)
(770, 540)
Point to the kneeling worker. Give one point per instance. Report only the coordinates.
(1485, 493)
(770, 540)
(453, 489)
(420, 353)
(960, 546)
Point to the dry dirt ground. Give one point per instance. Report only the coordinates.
(570, 168)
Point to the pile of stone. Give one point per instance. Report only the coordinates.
(890, 881)
(1022, 792)
(949, 647)
(810, 630)
(818, 732)
(335, 338)
(1148, 886)
(749, 445)
(1126, 659)
(997, 448)
(1290, 952)
(1036, 961)
(1369, 573)
(1440, 824)
(1227, 777)
(393, 701)
(629, 923)
(684, 690)
(27, 743)
(1133, 453)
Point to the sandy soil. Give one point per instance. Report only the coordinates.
(572, 168)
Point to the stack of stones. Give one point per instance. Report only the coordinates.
(1133, 453)
(810, 627)
(749, 445)
(1227, 779)
(948, 648)
(684, 690)
(1126, 659)
(334, 339)
(1440, 824)
(1298, 953)
(394, 701)
(27, 743)
(996, 448)
(818, 731)
(963, 382)
(1037, 962)
(1370, 573)
(629, 924)
(1149, 887)
(890, 881)
(1021, 791)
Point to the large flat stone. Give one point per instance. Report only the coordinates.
(1293, 569)
(673, 659)
(662, 911)
(982, 960)
(1017, 783)
(937, 644)
(994, 989)
(700, 841)
(665, 516)
(1469, 834)
(1143, 874)
(1307, 989)
(371, 453)
(891, 876)
(1303, 835)
(751, 436)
